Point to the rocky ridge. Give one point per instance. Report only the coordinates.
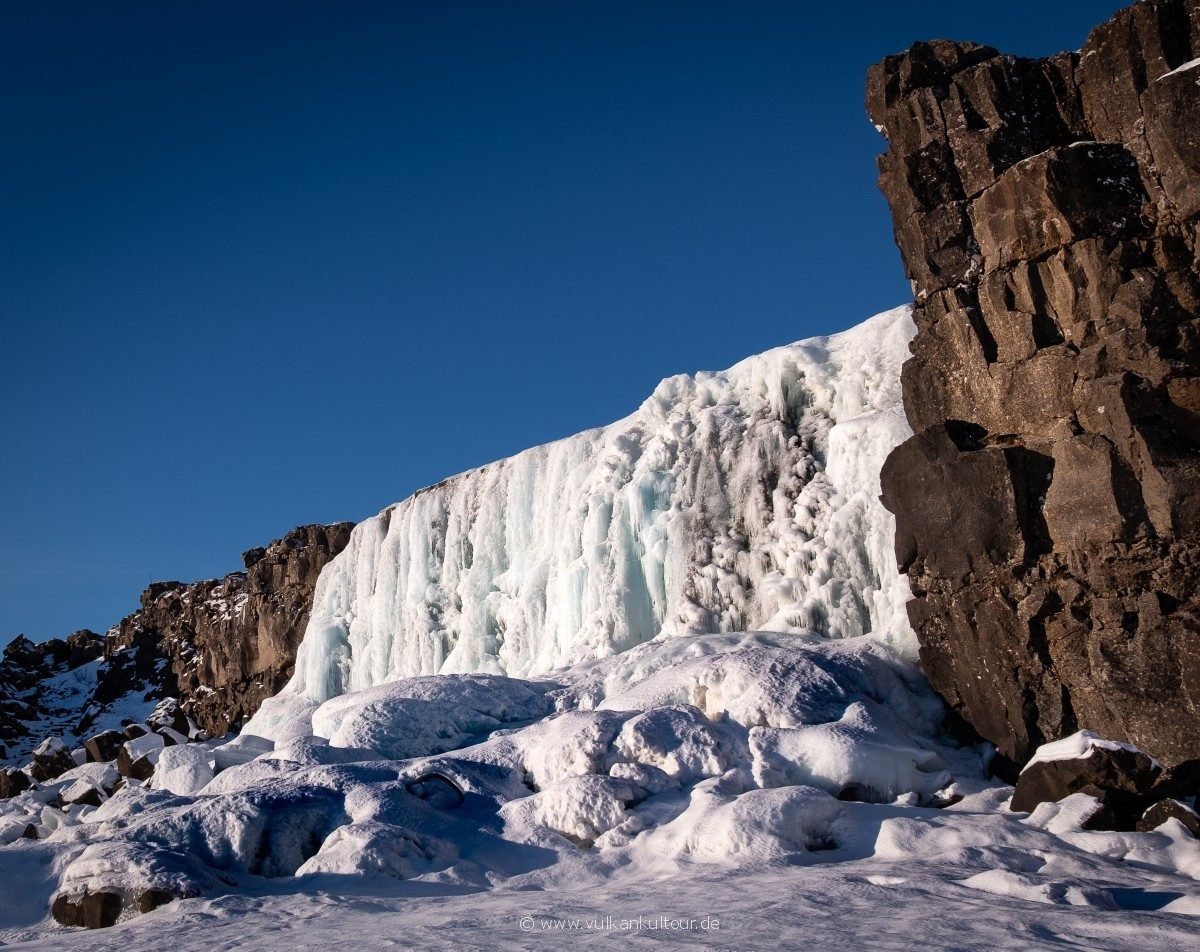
(232, 642)
(219, 646)
(1046, 211)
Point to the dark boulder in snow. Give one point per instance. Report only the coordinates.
(1120, 776)
(82, 793)
(138, 756)
(51, 758)
(168, 716)
(104, 746)
(1164, 810)
(97, 910)
(12, 782)
(151, 899)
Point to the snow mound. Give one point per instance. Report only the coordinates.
(727, 502)
(556, 765)
(416, 717)
(184, 769)
(864, 755)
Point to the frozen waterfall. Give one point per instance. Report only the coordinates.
(731, 501)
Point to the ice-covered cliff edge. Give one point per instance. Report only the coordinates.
(732, 501)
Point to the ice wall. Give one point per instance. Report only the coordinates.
(740, 500)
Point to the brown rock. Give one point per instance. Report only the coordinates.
(1047, 512)
(1121, 779)
(104, 746)
(136, 758)
(97, 910)
(82, 793)
(235, 638)
(1164, 810)
(151, 899)
(12, 782)
(51, 758)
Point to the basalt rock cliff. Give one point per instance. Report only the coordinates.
(1047, 507)
(220, 646)
(232, 642)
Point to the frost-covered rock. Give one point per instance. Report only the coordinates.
(50, 758)
(13, 781)
(863, 755)
(415, 717)
(184, 769)
(138, 756)
(1162, 811)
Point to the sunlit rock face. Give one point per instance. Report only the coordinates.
(1048, 517)
(223, 645)
(731, 501)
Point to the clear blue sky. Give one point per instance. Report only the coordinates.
(264, 264)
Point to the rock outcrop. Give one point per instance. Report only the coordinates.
(232, 642)
(36, 700)
(1119, 776)
(1047, 510)
(220, 646)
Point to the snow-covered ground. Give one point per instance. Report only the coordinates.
(686, 790)
(563, 638)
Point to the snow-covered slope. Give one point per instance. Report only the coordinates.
(731, 501)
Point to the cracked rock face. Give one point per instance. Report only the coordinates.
(232, 642)
(1048, 510)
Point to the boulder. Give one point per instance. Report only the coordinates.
(138, 756)
(104, 746)
(151, 899)
(169, 716)
(1118, 775)
(97, 910)
(12, 782)
(1164, 810)
(51, 758)
(83, 793)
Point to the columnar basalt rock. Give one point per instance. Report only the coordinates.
(232, 642)
(1047, 508)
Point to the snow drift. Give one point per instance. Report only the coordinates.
(729, 501)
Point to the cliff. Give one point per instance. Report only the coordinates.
(232, 642)
(220, 646)
(1046, 211)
